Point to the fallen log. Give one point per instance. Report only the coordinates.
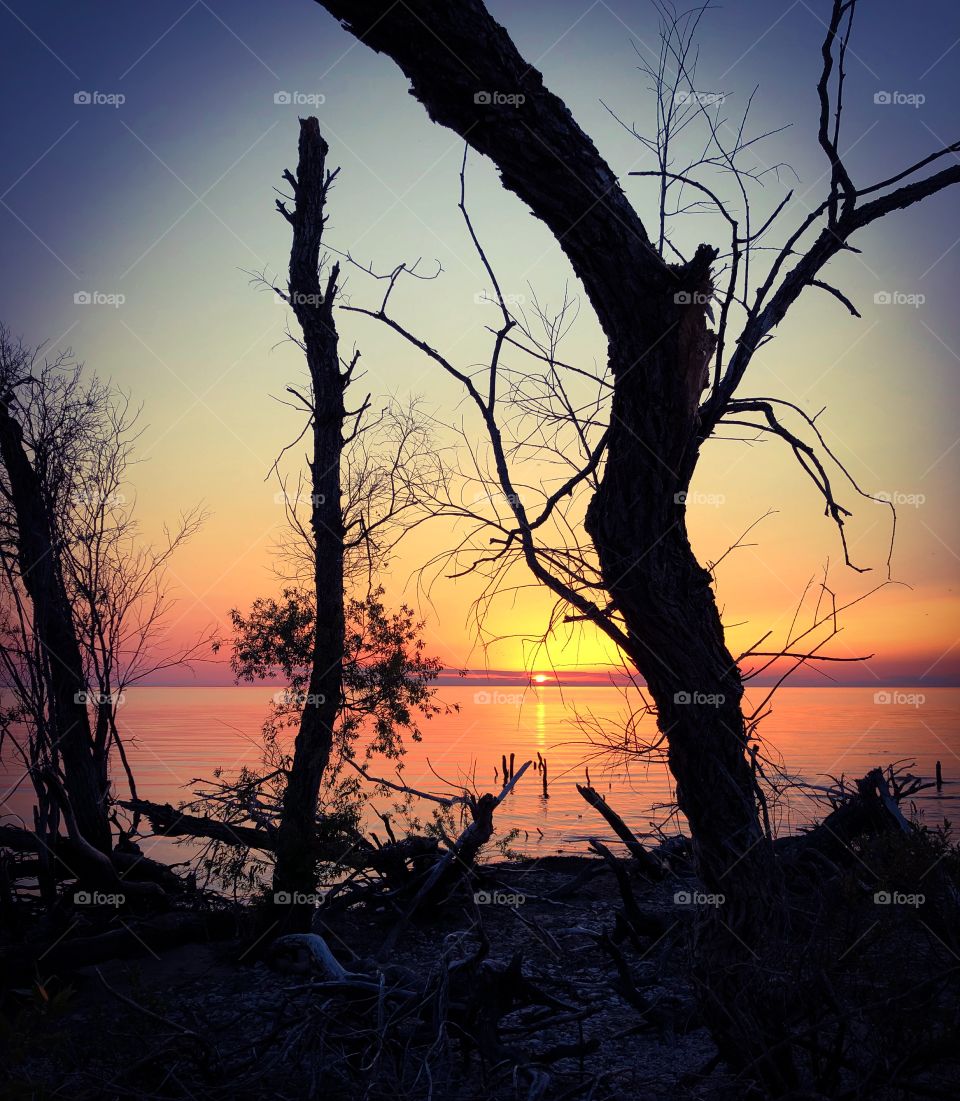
(134, 863)
(353, 851)
(301, 952)
(20, 840)
(130, 873)
(371, 1006)
(168, 821)
(868, 810)
(648, 864)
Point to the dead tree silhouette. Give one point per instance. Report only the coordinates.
(312, 304)
(658, 605)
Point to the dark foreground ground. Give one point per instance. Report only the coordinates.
(198, 1021)
(212, 1021)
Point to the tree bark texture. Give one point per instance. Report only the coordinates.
(295, 869)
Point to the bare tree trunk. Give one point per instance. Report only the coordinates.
(295, 869)
(466, 71)
(85, 780)
(637, 522)
(638, 525)
(658, 346)
(653, 315)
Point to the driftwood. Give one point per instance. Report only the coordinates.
(648, 864)
(168, 821)
(75, 858)
(462, 998)
(353, 852)
(298, 951)
(459, 858)
(869, 809)
(637, 923)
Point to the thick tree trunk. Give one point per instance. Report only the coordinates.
(654, 317)
(295, 869)
(38, 551)
(653, 314)
(638, 525)
(637, 521)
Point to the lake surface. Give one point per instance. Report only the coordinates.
(176, 735)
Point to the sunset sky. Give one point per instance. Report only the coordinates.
(167, 200)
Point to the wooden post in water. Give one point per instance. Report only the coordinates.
(542, 762)
(939, 777)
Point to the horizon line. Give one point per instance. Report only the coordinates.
(512, 678)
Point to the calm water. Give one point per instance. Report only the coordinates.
(176, 735)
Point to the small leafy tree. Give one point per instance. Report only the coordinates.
(387, 677)
(388, 694)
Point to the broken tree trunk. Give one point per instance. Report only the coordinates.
(638, 923)
(295, 869)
